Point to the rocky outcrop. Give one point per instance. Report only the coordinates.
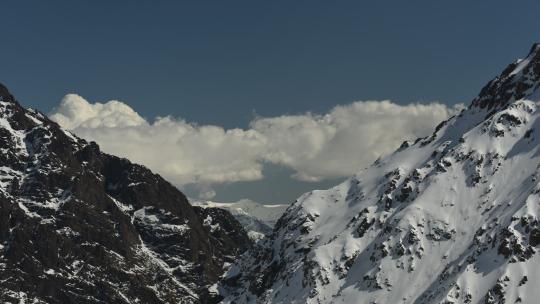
(80, 226)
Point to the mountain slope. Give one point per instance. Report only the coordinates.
(81, 226)
(451, 218)
(257, 219)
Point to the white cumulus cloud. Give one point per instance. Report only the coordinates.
(316, 147)
(75, 112)
(348, 138)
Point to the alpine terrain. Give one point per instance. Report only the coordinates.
(257, 219)
(450, 218)
(81, 226)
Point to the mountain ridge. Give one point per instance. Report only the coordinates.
(81, 226)
(257, 219)
(516, 81)
(449, 218)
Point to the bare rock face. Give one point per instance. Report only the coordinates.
(80, 226)
(451, 218)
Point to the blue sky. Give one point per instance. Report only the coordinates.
(224, 63)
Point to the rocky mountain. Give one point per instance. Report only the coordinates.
(257, 219)
(450, 218)
(81, 226)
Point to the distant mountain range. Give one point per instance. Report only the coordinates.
(257, 219)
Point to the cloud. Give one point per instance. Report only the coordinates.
(348, 138)
(184, 153)
(207, 194)
(75, 112)
(316, 147)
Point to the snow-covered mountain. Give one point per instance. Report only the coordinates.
(450, 218)
(81, 226)
(257, 219)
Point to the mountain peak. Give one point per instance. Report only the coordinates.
(5, 95)
(519, 80)
(535, 48)
(81, 226)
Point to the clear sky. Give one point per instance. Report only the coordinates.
(225, 62)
